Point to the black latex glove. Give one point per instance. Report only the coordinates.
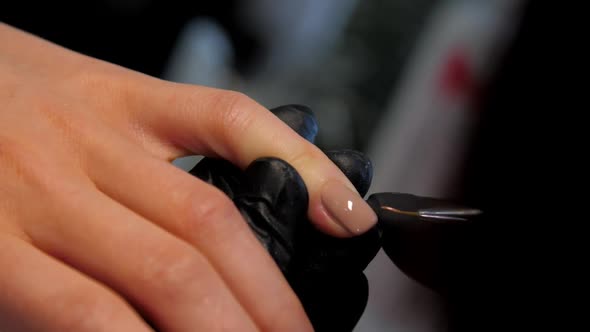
(325, 272)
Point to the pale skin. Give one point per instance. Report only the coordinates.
(98, 229)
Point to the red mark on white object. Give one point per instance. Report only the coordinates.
(457, 79)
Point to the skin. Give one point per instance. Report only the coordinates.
(99, 230)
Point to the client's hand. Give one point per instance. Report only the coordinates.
(98, 230)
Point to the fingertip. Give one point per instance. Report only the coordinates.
(278, 186)
(335, 206)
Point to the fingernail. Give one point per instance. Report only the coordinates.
(347, 208)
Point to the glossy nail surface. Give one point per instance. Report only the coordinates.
(347, 208)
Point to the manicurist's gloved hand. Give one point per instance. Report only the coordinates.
(98, 230)
(432, 240)
(326, 272)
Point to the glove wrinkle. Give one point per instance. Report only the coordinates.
(274, 198)
(219, 173)
(274, 236)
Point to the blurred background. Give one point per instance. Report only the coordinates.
(409, 82)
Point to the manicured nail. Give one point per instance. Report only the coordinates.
(347, 208)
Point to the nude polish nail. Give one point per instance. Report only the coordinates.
(347, 208)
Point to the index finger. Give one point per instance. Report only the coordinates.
(232, 126)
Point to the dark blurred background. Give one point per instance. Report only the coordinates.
(444, 96)
(331, 54)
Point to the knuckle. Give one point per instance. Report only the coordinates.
(236, 112)
(171, 272)
(204, 210)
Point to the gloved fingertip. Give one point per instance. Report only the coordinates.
(300, 118)
(357, 167)
(298, 107)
